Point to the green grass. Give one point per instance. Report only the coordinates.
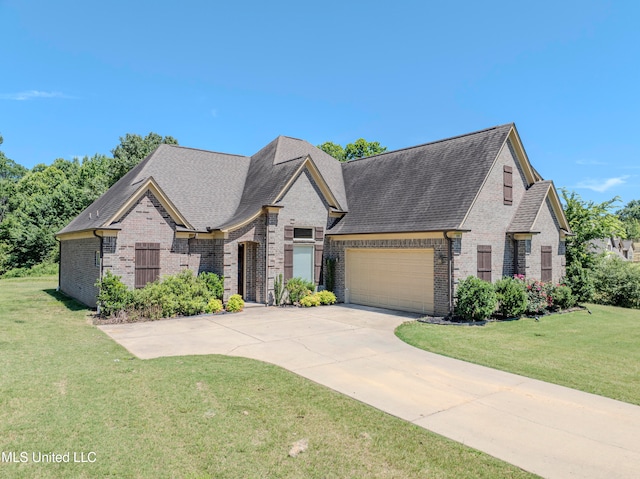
(597, 353)
(67, 387)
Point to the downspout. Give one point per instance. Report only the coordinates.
(101, 253)
(266, 260)
(450, 271)
(59, 263)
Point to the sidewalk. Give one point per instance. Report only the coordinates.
(550, 430)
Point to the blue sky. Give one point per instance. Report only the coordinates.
(231, 76)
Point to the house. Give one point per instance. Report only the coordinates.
(613, 246)
(402, 228)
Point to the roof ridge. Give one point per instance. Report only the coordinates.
(203, 150)
(430, 143)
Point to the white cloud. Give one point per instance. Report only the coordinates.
(214, 113)
(31, 94)
(602, 185)
(591, 163)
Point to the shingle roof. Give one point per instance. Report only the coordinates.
(424, 188)
(190, 178)
(529, 207)
(215, 190)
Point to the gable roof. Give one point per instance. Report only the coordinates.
(529, 207)
(428, 187)
(204, 190)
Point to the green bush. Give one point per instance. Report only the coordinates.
(326, 297)
(512, 297)
(214, 283)
(562, 297)
(617, 283)
(580, 280)
(42, 269)
(476, 299)
(310, 300)
(113, 295)
(214, 306)
(297, 288)
(235, 303)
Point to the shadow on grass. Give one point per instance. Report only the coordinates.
(70, 303)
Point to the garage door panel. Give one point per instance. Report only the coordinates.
(391, 278)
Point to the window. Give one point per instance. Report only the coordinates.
(147, 263)
(546, 273)
(302, 233)
(96, 259)
(507, 187)
(484, 262)
(303, 262)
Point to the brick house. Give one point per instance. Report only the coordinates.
(403, 227)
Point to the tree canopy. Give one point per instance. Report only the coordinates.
(133, 149)
(360, 148)
(630, 216)
(588, 221)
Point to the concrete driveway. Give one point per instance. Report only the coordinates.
(550, 430)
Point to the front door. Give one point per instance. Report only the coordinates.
(241, 267)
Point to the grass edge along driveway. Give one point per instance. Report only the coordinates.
(68, 388)
(597, 353)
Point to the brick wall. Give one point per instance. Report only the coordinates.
(548, 226)
(78, 269)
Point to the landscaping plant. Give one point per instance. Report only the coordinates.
(297, 288)
(476, 299)
(512, 297)
(235, 304)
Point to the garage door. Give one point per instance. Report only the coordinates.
(391, 278)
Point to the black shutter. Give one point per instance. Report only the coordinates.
(484, 262)
(147, 263)
(546, 273)
(508, 185)
(288, 261)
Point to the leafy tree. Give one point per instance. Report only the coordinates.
(360, 148)
(133, 149)
(10, 173)
(630, 216)
(588, 221)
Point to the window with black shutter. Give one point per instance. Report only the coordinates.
(484, 262)
(546, 273)
(508, 185)
(147, 263)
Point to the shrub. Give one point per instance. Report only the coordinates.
(330, 273)
(326, 297)
(214, 283)
(617, 282)
(310, 300)
(42, 269)
(297, 288)
(512, 297)
(537, 299)
(235, 303)
(562, 297)
(113, 295)
(476, 299)
(580, 280)
(214, 306)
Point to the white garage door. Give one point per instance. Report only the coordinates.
(391, 278)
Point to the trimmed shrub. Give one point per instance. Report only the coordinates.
(476, 299)
(214, 306)
(562, 297)
(235, 304)
(214, 283)
(297, 288)
(310, 300)
(326, 297)
(617, 282)
(512, 297)
(537, 299)
(113, 295)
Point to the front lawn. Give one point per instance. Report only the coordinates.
(68, 388)
(597, 353)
